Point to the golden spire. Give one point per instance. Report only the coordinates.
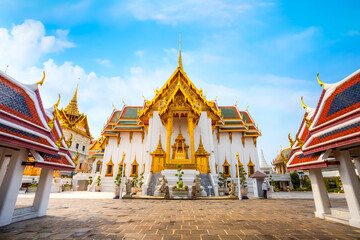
(72, 108)
(180, 60)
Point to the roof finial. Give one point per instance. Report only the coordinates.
(303, 104)
(180, 61)
(72, 108)
(320, 82)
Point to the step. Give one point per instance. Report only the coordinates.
(336, 219)
(24, 216)
(342, 213)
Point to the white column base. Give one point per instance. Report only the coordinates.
(354, 223)
(42, 195)
(351, 185)
(321, 197)
(319, 215)
(9, 188)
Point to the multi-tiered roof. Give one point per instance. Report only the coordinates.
(334, 123)
(25, 123)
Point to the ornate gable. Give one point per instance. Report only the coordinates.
(179, 81)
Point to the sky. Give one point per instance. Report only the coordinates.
(264, 54)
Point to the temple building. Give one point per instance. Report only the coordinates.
(280, 162)
(76, 128)
(178, 126)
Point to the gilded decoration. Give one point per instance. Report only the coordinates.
(158, 158)
(180, 150)
(226, 168)
(251, 167)
(109, 168)
(134, 168)
(202, 159)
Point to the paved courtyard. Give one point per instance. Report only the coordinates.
(175, 219)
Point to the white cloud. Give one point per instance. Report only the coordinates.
(290, 46)
(175, 12)
(353, 33)
(104, 62)
(26, 43)
(139, 53)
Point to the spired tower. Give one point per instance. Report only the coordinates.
(75, 127)
(179, 126)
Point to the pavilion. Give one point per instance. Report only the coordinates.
(329, 138)
(27, 131)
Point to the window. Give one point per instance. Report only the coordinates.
(98, 166)
(134, 169)
(227, 172)
(80, 165)
(109, 169)
(83, 148)
(77, 146)
(251, 169)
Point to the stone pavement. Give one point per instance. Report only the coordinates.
(176, 219)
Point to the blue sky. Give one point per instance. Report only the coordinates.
(263, 53)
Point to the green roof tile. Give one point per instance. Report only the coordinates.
(131, 113)
(228, 112)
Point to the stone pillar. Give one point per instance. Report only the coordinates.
(357, 165)
(351, 186)
(11, 183)
(169, 131)
(321, 197)
(42, 195)
(191, 133)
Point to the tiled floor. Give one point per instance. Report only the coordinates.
(176, 219)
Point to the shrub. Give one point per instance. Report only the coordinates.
(98, 181)
(135, 180)
(118, 177)
(222, 179)
(90, 180)
(179, 174)
(141, 180)
(295, 180)
(242, 175)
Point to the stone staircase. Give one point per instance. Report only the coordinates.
(152, 185)
(205, 182)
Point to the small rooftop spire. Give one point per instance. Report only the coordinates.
(180, 60)
(72, 108)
